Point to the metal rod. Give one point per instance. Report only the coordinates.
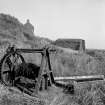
(30, 50)
(81, 78)
(33, 50)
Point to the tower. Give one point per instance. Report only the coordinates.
(29, 26)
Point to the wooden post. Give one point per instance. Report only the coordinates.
(43, 63)
(46, 83)
(43, 83)
(50, 74)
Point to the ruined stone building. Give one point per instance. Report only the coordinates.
(75, 44)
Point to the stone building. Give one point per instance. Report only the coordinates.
(75, 44)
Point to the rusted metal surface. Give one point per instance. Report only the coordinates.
(10, 63)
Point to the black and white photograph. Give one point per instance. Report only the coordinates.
(52, 52)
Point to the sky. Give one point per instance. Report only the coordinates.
(84, 19)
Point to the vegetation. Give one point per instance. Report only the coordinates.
(65, 62)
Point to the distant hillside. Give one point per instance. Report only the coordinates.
(12, 29)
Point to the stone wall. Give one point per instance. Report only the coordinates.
(75, 44)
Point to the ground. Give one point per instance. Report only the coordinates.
(86, 93)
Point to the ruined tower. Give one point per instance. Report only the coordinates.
(29, 26)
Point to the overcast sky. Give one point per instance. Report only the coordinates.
(62, 18)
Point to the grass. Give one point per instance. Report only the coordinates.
(86, 93)
(12, 96)
(64, 63)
